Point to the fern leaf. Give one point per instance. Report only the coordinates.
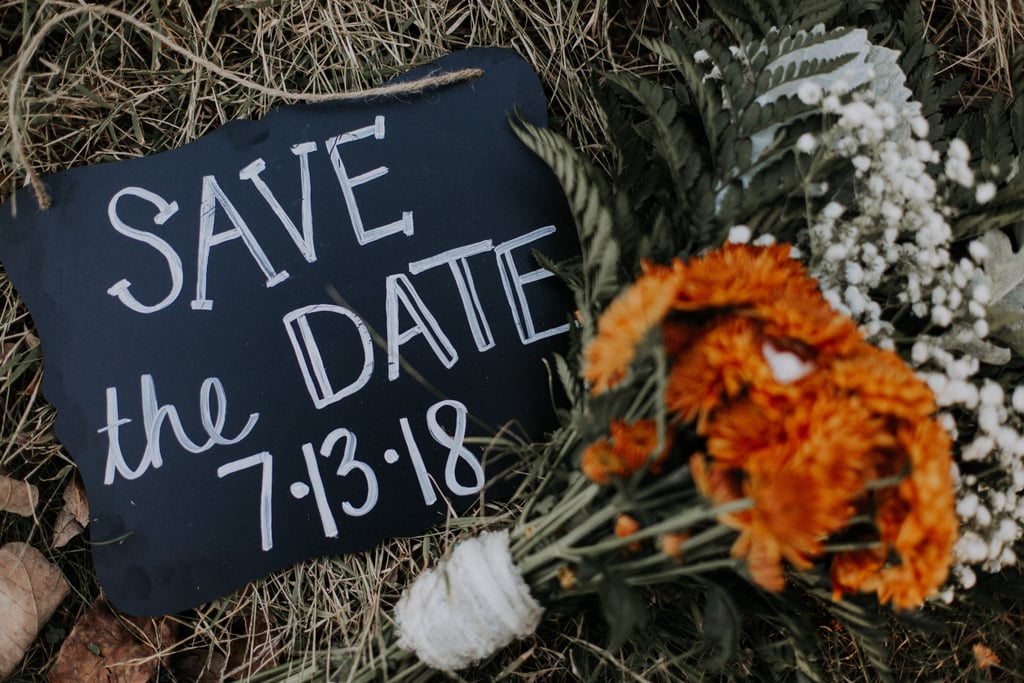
(588, 195)
(671, 141)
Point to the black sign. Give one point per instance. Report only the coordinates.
(294, 337)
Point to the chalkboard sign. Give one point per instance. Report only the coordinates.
(293, 337)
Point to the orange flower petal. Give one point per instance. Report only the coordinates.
(625, 323)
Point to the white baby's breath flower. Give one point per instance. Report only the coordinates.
(958, 150)
(739, 234)
(832, 210)
(806, 143)
(984, 193)
(919, 126)
(977, 250)
(1018, 399)
(991, 394)
(809, 92)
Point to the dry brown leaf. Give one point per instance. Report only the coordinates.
(251, 650)
(200, 665)
(984, 656)
(254, 652)
(19, 497)
(106, 647)
(73, 517)
(30, 590)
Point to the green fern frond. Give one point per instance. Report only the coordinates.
(671, 140)
(589, 199)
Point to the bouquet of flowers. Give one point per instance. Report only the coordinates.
(795, 372)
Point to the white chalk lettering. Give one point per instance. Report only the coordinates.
(303, 241)
(456, 259)
(399, 290)
(456, 448)
(165, 211)
(327, 520)
(212, 194)
(153, 417)
(349, 463)
(311, 362)
(512, 280)
(364, 236)
(422, 476)
(265, 461)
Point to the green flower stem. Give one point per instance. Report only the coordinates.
(848, 547)
(704, 538)
(581, 493)
(559, 548)
(685, 570)
(674, 524)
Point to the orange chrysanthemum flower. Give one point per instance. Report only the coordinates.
(632, 447)
(800, 416)
(720, 364)
(626, 322)
(802, 467)
(883, 382)
(626, 526)
(672, 544)
(916, 520)
(741, 275)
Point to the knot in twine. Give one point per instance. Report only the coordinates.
(468, 607)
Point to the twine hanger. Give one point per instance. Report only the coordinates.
(32, 46)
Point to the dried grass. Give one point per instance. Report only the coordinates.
(976, 40)
(99, 89)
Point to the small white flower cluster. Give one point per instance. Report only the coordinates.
(881, 251)
(889, 231)
(991, 509)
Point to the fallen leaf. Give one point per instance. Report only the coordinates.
(19, 497)
(31, 588)
(252, 653)
(251, 649)
(984, 656)
(200, 665)
(73, 517)
(107, 647)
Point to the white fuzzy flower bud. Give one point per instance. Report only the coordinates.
(809, 92)
(967, 506)
(919, 126)
(807, 143)
(942, 316)
(978, 251)
(983, 516)
(861, 163)
(981, 293)
(1017, 399)
(739, 234)
(991, 394)
(833, 210)
(984, 193)
(958, 150)
(968, 578)
(988, 419)
(919, 353)
(977, 449)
